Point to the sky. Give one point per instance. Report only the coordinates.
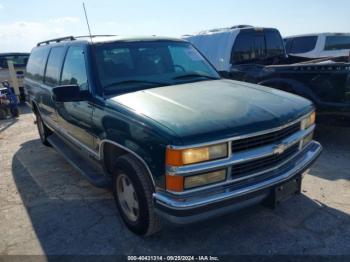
(24, 23)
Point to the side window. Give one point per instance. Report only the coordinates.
(274, 43)
(53, 67)
(288, 43)
(242, 48)
(74, 68)
(303, 44)
(248, 47)
(337, 42)
(36, 64)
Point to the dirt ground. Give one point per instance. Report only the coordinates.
(46, 207)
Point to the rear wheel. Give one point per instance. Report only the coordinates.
(44, 132)
(133, 191)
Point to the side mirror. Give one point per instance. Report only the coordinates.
(67, 93)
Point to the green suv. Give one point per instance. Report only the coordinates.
(151, 119)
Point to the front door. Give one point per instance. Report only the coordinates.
(75, 118)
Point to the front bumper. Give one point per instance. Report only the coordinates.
(216, 201)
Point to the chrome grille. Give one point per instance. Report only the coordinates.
(265, 139)
(263, 163)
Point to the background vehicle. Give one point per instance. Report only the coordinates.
(151, 117)
(257, 55)
(318, 45)
(13, 72)
(8, 101)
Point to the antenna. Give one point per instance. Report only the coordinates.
(87, 22)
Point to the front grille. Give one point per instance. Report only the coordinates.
(263, 163)
(266, 139)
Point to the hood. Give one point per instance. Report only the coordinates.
(208, 110)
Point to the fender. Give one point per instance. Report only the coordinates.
(296, 87)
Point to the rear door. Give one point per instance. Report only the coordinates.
(75, 118)
(51, 80)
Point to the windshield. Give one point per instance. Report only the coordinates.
(17, 60)
(130, 66)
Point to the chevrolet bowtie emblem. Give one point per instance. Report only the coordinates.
(277, 150)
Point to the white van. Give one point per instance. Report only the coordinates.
(319, 45)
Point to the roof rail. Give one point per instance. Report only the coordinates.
(68, 38)
(82, 36)
(56, 40)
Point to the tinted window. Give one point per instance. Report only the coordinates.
(337, 42)
(53, 67)
(248, 47)
(274, 44)
(303, 44)
(36, 64)
(74, 68)
(17, 60)
(288, 44)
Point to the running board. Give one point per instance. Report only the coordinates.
(86, 167)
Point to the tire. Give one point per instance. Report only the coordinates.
(143, 222)
(44, 132)
(15, 112)
(3, 114)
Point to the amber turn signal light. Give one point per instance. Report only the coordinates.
(174, 183)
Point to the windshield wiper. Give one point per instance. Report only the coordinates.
(135, 81)
(194, 75)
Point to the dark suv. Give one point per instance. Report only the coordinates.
(151, 118)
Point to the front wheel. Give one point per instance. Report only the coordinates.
(133, 191)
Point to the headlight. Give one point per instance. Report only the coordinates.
(180, 157)
(179, 183)
(308, 121)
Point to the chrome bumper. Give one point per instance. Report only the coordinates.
(203, 204)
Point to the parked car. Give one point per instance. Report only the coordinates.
(257, 55)
(319, 45)
(15, 78)
(151, 118)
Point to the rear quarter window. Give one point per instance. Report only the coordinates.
(337, 42)
(36, 64)
(301, 44)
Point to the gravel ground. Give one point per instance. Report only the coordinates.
(46, 207)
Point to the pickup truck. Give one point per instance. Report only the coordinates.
(150, 118)
(257, 55)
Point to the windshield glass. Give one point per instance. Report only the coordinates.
(130, 66)
(17, 60)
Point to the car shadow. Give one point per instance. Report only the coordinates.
(333, 163)
(71, 217)
(6, 123)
